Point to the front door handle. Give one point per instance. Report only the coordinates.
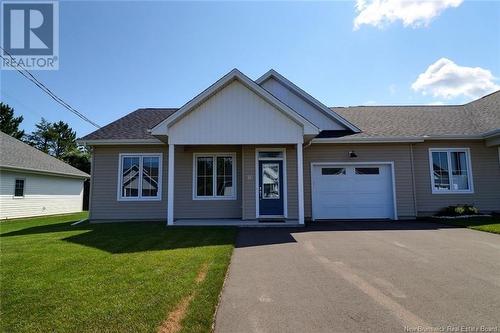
(260, 192)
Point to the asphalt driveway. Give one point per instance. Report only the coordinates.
(362, 276)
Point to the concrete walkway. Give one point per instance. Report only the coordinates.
(360, 277)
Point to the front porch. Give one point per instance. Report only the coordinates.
(235, 185)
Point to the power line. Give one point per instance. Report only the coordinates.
(27, 74)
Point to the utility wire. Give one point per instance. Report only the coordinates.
(27, 74)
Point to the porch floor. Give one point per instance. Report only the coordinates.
(235, 223)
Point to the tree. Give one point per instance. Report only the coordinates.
(43, 137)
(63, 141)
(79, 158)
(10, 124)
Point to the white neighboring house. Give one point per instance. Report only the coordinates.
(33, 183)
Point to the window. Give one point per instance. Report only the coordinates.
(214, 176)
(140, 177)
(367, 171)
(19, 188)
(332, 171)
(450, 171)
(270, 154)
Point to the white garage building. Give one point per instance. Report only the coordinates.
(33, 183)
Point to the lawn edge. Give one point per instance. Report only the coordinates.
(470, 227)
(219, 298)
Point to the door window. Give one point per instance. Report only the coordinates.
(270, 181)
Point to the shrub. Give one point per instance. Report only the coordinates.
(458, 210)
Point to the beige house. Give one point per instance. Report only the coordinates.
(245, 152)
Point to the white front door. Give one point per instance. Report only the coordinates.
(352, 191)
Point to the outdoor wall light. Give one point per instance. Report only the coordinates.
(352, 154)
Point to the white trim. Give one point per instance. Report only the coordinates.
(393, 180)
(101, 142)
(285, 180)
(214, 176)
(308, 98)
(24, 188)
(300, 182)
(448, 156)
(348, 139)
(308, 127)
(170, 185)
(119, 196)
(42, 172)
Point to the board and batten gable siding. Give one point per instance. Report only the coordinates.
(250, 182)
(185, 207)
(302, 107)
(235, 115)
(400, 154)
(43, 195)
(104, 204)
(485, 174)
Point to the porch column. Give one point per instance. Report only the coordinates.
(170, 192)
(300, 180)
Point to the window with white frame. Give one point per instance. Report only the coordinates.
(19, 188)
(450, 170)
(140, 177)
(214, 176)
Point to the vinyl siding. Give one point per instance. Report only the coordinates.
(43, 195)
(184, 205)
(302, 107)
(235, 115)
(400, 154)
(104, 204)
(485, 173)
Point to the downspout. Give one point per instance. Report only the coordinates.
(413, 179)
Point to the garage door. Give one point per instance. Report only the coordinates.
(352, 191)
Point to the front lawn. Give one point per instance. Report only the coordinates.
(489, 224)
(120, 277)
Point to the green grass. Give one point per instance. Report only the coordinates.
(489, 224)
(120, 277)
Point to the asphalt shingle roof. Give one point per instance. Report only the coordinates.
(134, 125)
(475, 118)
(18, 155)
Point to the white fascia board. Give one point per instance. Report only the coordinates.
(104, 142)
(162, 128)
(43, 172)
(367, 140)
(397, 139)
(307, 97)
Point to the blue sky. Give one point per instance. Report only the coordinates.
(119, 56)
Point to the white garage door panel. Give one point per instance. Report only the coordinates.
(352, 195)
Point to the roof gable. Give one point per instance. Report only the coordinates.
(299, 99)
(162, 128)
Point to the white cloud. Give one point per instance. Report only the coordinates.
(446, 79)
(414, 13)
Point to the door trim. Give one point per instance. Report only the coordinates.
(285, 181)
(393, 181)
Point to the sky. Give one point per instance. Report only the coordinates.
(117, 56)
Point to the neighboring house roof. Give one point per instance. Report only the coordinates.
(476, 118)
(17, 155)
